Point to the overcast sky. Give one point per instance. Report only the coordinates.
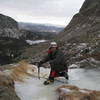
(41, 11)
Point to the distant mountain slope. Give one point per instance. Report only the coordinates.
(9, 28)
(40, 27)
(30, 35)
(85, 25)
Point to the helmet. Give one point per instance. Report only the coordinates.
(53, 44)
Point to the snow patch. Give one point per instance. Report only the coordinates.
(84, 91)
(30, 42)
(65, 90)
(81, 46)
(73, 66)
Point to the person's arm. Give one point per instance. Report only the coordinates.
(45, 59)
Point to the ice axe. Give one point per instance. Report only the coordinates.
(38, 72)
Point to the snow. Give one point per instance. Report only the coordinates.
(84, 91)
(73, 66)
(33, 89)
(35, 42)
(65, 90)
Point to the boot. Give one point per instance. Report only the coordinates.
(48, 81)
(66, 76)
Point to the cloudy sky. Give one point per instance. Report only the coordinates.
(41, 11)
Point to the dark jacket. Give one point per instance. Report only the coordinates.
(57, 60)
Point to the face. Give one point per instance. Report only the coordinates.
(53, 49)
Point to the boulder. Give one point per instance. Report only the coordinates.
(70, 92)
(7, 90)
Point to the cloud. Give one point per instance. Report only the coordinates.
(40, 8)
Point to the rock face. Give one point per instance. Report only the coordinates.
(84, 26)
(91, 7)
(10, 48)
(28, 35)
(83, 33)
(8, 27)
(11, 44)
(11, 29)
(7, 90)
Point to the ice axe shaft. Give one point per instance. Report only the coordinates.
(38, 72)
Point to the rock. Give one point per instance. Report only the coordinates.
(83, 31)
(8, 94)
(84, 26)
(10, 42)
(70, 92)
(10, 49)
(7, 89)
(6, 81)
(8, 27)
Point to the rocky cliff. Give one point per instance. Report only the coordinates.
(11, 45)
(85, 25)
(8, 27)
(81, 36)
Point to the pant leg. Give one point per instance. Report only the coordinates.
(53, 74)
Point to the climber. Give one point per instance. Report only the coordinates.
(57, 61)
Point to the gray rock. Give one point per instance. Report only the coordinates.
(8, 27)
(7, 89)
(8, 94)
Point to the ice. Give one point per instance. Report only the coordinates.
(85, 78)
(33, 89)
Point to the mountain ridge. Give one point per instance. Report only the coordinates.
(84, 25)
(40, 27)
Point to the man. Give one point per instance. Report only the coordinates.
(57, 60)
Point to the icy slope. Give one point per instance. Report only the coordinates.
(33, 88)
